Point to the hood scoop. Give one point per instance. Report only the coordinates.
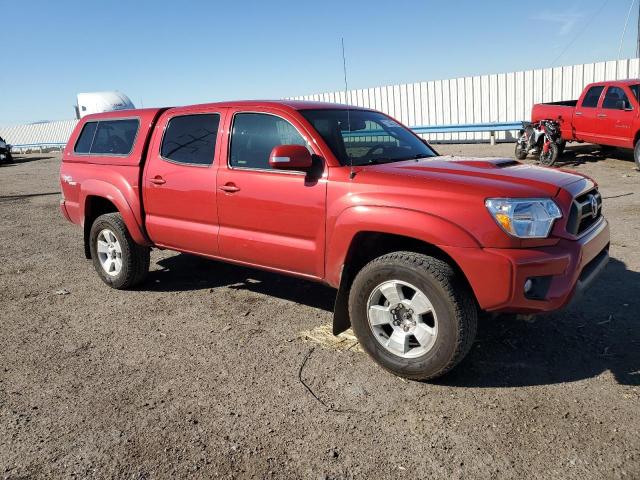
(485, 162)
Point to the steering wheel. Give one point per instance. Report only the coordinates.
(374, 148)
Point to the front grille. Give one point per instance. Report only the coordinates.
(586, 210)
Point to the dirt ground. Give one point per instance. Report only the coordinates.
(196, 374)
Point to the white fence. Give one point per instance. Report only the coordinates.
(502, 97)
(39, 134)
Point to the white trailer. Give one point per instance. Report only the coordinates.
(98, 102)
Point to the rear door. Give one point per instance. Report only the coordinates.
(270, 218)
(616, 117)
(585, 117)
(180, 181)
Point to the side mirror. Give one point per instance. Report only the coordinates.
(622, 105)
(290, 157)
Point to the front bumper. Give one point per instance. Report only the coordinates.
(498, 276)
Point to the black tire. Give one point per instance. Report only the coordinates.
(135, 258)
(521, 153)
(636, 155)
(549, 158)
(561, 146)
(452, 301)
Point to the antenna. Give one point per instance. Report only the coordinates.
(346, 92)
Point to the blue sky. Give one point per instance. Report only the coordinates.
(182, 52)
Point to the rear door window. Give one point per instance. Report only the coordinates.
(191, 139)
(592, 97)
(108, 137)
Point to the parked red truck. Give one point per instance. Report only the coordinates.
(607, 113)
(415, 244)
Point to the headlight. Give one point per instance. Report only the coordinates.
(524, 217)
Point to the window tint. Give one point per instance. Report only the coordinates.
(191, 139)
(83, 145)
(592, 96)
(616, 99)
(254, 136)
(114, 137)
(635, 89)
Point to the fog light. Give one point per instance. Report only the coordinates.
(528, 285)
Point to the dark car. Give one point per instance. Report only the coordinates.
(5, 152)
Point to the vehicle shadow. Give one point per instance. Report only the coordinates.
(580, 154)
(183, 272)
(18, 160)
(597, 334)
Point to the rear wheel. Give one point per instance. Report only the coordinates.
(549, 157)
(413, 314)
(120, 262)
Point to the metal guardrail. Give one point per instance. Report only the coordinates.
(422, 129)
(470, 127)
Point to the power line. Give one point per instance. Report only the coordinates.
(580, 32)
(625, 28)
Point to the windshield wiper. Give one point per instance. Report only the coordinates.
(418, 156)
(381, 160)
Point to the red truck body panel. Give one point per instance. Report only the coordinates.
(289, 222)
(601, 123)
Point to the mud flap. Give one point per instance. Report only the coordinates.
(341, 321)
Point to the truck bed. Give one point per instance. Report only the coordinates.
(561, 112)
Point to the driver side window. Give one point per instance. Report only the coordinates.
(616, 99)
(255, 134)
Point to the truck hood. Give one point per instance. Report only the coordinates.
(499, 176)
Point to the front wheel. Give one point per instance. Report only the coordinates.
(521, 152)
(413, 314)
(636, 155)
(120, 262)
(549, 157)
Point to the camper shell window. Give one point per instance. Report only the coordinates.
(108, 137)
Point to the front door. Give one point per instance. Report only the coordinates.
(179, 182)
(585, 116)
(271, 218)
(616, 117)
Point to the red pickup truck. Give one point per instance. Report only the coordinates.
(607, 113)
(415, 243)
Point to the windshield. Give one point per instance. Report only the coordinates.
(361, 137)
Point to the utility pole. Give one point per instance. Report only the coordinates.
(638, 34)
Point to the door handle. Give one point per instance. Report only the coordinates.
(602, 115)
(230, 188)
(579, 114)
(158, 180)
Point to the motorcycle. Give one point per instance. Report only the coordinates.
(543, 138)
(5, 152)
